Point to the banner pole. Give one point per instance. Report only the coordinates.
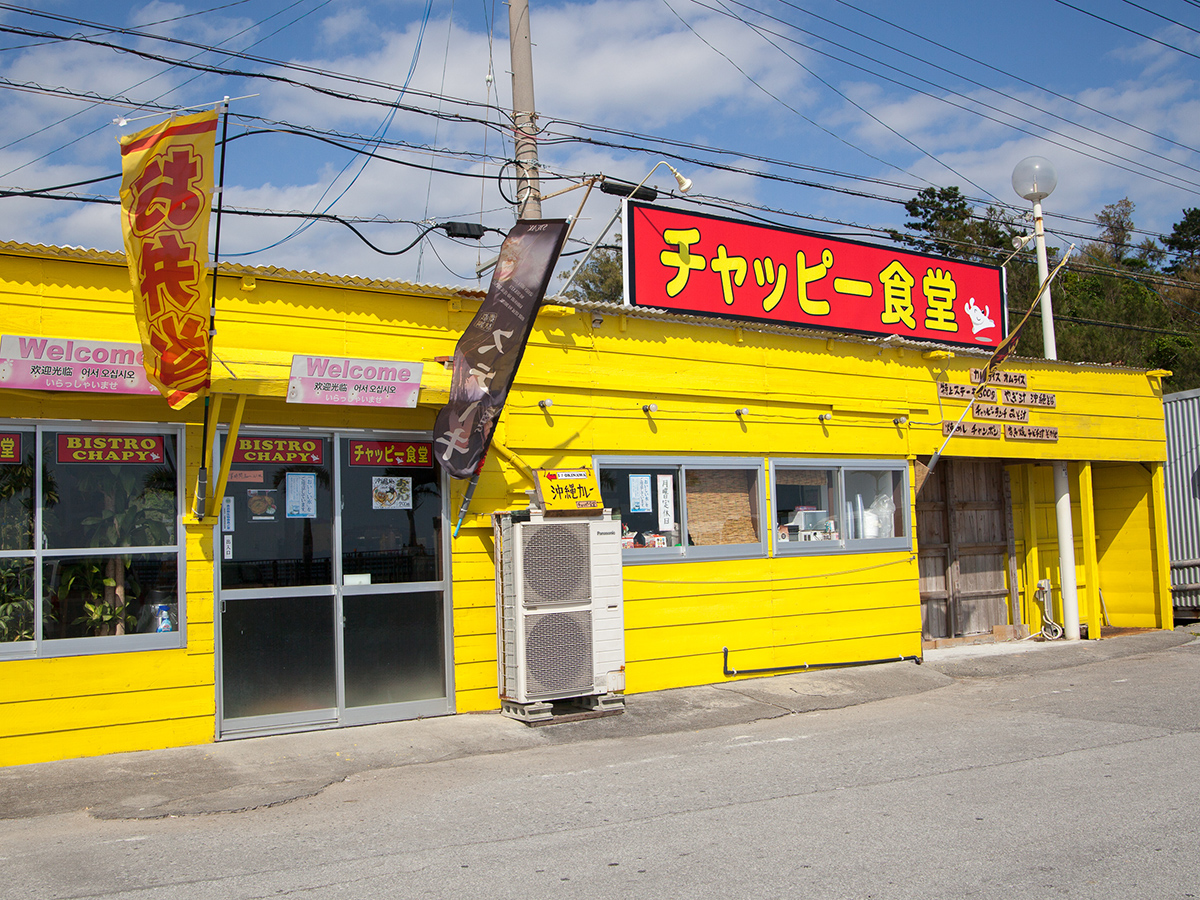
(997, 358)
(462, 512)
(202, 475)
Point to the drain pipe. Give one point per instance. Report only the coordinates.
(804, 667)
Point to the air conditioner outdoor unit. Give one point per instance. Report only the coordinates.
(561, 622)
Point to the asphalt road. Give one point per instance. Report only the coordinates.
(1042, 782)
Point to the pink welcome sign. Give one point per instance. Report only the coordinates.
(353, 382)
(56, 364)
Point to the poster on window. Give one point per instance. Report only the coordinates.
(301, 495)
(261, 505)
(640, 498)
(666, 502)
(391, 492)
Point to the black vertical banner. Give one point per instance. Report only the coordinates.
(490, 350)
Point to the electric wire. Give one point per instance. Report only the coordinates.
(762, 32)
(109, 30)
(235, 54)
(811, 184)
(222, 51)
(782, 102)
(436, 127)
(964, 77)
(970, 110)
(365, 158)
(1021, 80)
(1126, 28)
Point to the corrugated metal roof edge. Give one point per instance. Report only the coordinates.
(110, 257)
(646, 312)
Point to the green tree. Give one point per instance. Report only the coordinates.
(1105, 310)
(1184, 241)
(602, 279)
(1116, 227)
(943, 222)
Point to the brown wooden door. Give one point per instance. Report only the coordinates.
(963, 517)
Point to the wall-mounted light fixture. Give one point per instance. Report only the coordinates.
(546, 404)
(900, 420)
(744, 411)
(597, 320)
(650, 407)
(824, 417)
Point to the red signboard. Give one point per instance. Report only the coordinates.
(10, 447)
(140, 449)
(723, 267)
(281, 451)
(391, 453)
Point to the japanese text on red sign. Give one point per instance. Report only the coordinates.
(710, 265)
(391, 453)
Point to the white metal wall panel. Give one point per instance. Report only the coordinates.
(1182, 416)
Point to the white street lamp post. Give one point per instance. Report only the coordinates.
(1034, 179)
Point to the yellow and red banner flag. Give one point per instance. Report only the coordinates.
(166, 195)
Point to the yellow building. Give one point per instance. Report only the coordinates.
(772, 483)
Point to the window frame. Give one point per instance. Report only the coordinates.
(680, 463)
(844, 545)
(42, 647)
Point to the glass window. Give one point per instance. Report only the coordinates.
(391, 512)
(807, 505)
(692, 509)
(16, 490)
(106, 563)
(877, 500)
(16, 535)
(828, 507)
(108, 490)
(103, 596)
(648, 499)
(722, 506)
(16, 600)
(277, 521)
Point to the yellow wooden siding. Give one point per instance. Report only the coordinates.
(1126, 555)
(1125, 545)
(769, 612)
(66, 707)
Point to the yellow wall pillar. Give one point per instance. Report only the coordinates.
(1091, 564)
(1164, 610)
(1033, 563)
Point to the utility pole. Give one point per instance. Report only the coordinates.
(529, 197)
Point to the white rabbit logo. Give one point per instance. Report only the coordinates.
(979, 317)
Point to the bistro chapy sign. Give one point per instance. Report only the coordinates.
(716, 266)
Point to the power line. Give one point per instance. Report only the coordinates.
(977, 61)
(959, 74)
(1126, 28)
(968, 109)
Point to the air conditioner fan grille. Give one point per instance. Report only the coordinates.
(556, 562)
(558, 654)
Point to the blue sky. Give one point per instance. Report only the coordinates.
(819, 115)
